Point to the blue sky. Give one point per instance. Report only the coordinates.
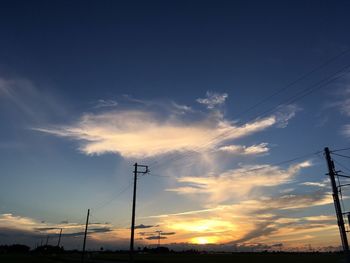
(88, 88)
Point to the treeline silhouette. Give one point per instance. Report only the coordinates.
(23, 249)
(48, 249)
(14, 249)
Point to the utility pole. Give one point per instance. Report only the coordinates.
(136, 172)
(47, 240)
(86, 228)
(159, 236)
(332, 173)
(59, 239)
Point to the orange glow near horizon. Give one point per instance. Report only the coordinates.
(206, 225)
(204, 240)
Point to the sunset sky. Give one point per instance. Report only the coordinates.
(230, 103)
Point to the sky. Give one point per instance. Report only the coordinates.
(229, 103)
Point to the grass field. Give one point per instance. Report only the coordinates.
(174, 258)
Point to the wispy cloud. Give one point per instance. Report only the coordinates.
(101, 103)
(181, 109)
(246, 150)
(342, 96)
(238, 182)
(213, 99)
(284, 113)
(24, 97)
(346, 130)
(342, 101)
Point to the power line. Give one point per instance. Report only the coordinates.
(105, 203)
(344, 156)
(339, 150)
(341, 165)
(302, 77)
(309, 90)
(301, 94)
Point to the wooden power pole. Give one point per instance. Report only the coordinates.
(59, 238)
(86, 228)
(332, 173)
(136, 172)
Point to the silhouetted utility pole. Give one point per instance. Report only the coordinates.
(332, 173)
(59, 238)
(136, 173)
(86, 228)
(159, 236)
(47, 240)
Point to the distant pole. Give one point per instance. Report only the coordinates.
(47, 240)
(59, 238)
(159, 235)
(340, 219)
(86, 228)
(132, 235)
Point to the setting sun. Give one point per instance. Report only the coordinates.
(204, 240)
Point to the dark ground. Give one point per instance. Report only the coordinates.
(174, 258)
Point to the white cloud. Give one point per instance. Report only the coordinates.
(136, 133)
(213, 99)
(160, 128)
(246, 150)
